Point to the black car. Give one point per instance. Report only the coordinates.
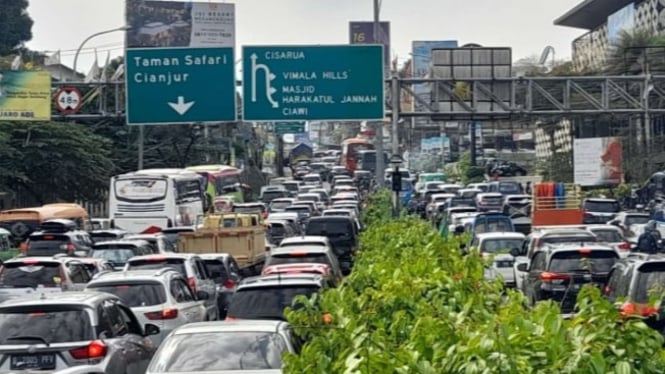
(558, 272)
(633, 281)
(342, 233)
(59, 237)
(226, 274)
(509, 169)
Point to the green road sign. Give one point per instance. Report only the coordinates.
(287, 83)
(180, 85)
(282, 128)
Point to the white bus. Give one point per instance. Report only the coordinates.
(155, 197)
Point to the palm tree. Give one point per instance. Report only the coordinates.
(633, 50)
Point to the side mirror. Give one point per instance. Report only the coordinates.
(151, 329)
(523, 267)
(202, 295)
(515, 252)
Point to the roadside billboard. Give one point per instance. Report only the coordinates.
(597, 161)
(162, 24)
(25, 96)
(422, 58)
(362, 32)
(621, 20)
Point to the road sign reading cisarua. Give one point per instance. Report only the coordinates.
(178, 85)
(299, 83)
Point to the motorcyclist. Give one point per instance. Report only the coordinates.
(649, 239)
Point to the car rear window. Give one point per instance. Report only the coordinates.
(650, 281)
(266, 302)
(54, 324)
(280, 204)
(220, 351)
(97, 238)
(561, 239)
(602, 206)
(509, 187)
(47, 245)
(581, 262)
(117, 255)
(159, 263)
(329, 228)
(298, 258)
(30, 274)
(608, 236)
(636, 220)
(499, 245)
(216, 270)
(134, 294)
(270, 195)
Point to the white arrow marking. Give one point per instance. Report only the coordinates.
(181, 106)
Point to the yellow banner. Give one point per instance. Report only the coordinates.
(25, 96)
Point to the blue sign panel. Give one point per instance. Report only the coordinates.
(180, 85)
(282, 128)
(300, 83)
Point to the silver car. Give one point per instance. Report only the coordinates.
(191, 267)
(161, 297)
(225, 347)
(57, 331)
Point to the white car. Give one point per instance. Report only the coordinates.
(306, 240)
(612, 236)
(161, 297)
(498, 246)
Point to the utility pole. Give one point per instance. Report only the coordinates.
(394, 85)
(380, 167)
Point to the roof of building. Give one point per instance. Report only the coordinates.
(590, 14)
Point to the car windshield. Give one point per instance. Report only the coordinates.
(636, 220)
(30, 274)
(216, 270)
(266, 302)
(602, 206)
(312, 179)
(116, 256)
(159, 263)
(291, 186)
(298, 258)
(608, 236)
(134, 294)
(576, 261)
(271, 195)
(220, 351)
(650, 281)
(509, 187)
(53, 324)
(500, 245)
(314, 198)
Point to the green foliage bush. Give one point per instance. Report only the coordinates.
(379, 208)
(474, 174)
(414, 304)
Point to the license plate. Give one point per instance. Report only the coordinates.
(39, 361)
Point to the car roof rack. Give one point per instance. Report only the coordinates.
(58, 226)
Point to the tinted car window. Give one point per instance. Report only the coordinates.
(214, 351)
(574, 262)
(608, 236)
(216, 270)
(271, 195)
(175, 263)
(636, 220)
(509, 187)
(135, 294)
(329, 228)
(18, 274)
(47, 245)
(309, 258)
(116, 255)
(567, 239)
(266, 302)
(602, 206)
(497, 245)
(650, 281)
(280, 204)
(53, 324)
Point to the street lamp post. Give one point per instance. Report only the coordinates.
(78, 51)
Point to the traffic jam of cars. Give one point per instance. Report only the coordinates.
(553, 240)
(85, 295)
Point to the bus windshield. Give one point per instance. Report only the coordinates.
(140, 189)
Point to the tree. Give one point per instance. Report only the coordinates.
(50, 161)
(15, 25)
(633, 50)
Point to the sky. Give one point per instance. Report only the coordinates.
(525, 25)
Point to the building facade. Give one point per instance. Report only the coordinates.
(603, 20)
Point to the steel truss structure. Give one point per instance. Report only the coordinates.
(100, 100)
(508, 98)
